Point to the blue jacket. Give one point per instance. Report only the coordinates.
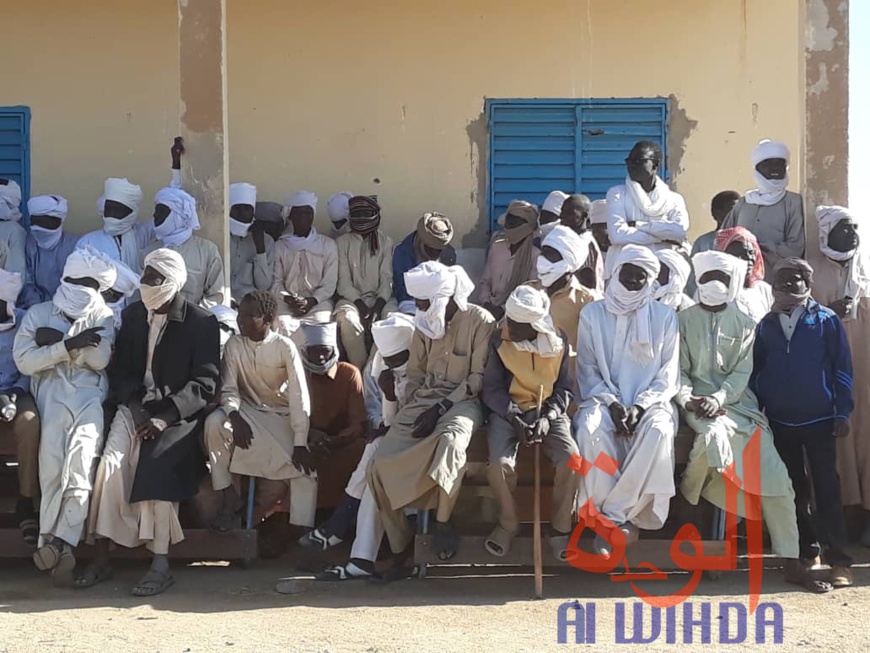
(405, 258)
(808, 379)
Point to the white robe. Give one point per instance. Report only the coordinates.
(755, 302)
(69, 390)
(641, 490)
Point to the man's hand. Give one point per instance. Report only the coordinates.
(176, 151)
(258, 233)
(632, 417)
(539, 430)
(704, 407)
(151, 429)
(363, 310)
(305, 305)
(842, 307)
(426, 421)
(841, 427)
(87, 338)
(387, 384)
(378, 309)
(377, 432)
(620, 419)
(304, 460)
(242, 433)
(46, 336)
(496, 311)
(139, 414)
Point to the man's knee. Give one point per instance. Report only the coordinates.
(215, 433)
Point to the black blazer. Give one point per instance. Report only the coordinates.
(186, 370)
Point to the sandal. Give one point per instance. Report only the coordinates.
(559, 545)
(153, 583)
(30, 531)
(393, 574)
(47, 556)
(62, 572)
(318, 540)
(499, 541)
(797, 574)
(92, 575)
(446, 542)
(348, 571)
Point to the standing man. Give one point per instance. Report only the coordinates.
(12, 234)
(365, 278)
(528, 355)
(64, 347)
(164, 373)
(429, 242)
(421, 461)
(775, 215)
(803, 379)
(47, 248)
(251, 253)
(628, 371)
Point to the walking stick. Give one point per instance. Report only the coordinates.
(539, 559)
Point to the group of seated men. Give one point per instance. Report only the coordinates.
(124, 380)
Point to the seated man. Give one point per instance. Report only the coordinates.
(421, 461)
(528, 357)
(511, 257)
(64, 347)
(164, 373)
(365, 278)
(716, 341)
(671, 282)
(18, 416)
(126, 284)
(251, 253)
(628, 369)
(774, 214)
(269, 216)
(576, 214)
(338, 211)
(755, 298)
(263, 418)
(429, 242)
(306, 268)
(12, 234)
(392, 338)
(720, 207)
(598, 227)
(802, 376)
(47, 249)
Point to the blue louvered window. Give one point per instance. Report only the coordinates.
(576, 146)
(15, 148)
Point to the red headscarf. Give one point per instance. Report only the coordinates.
(742, 235)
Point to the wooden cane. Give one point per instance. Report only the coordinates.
(539, 558)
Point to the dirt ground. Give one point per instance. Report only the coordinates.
(226, 608)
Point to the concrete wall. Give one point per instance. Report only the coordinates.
(387, 97)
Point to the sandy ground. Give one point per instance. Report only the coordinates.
(225, 608)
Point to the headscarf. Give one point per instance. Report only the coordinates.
(228, 320)
(598, 213)
(123, 192)
(523, 267)
(393, 334)
(10, 287)
(784, 302)
(10, 201)
(171, 265)
(726, 237)
(245, 194)
(671, 294)
(634, 306)
(437, 283)
(367, 227)
(554, 202)
(768, 191)
(337, 208)
(573, 249)
(74, 300)
(182, 221)
(50, 205)
(270, 212)
(127, 281)
(304, 198)
(654, 204)
(433, 230)
(716, 293)
(530, 306)
(858, 276)
(326, 334)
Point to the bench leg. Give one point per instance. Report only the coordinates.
(423, 522)
(252, 483)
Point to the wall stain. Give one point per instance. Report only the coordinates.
(680, 128)
(478, 150)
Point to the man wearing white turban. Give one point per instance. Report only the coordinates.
(421, 461)
(527, 357)
(338, 210)
(628, 370)
(387, 371)
(841, 281)
(21, 424)
(577, 213)
(306, 267)
(164, 373)
(716, 349)
(125, 286)
(643, 210)
(47, 248)
(551, 210)
(774, 214)
(251, 253)
(671, 283)
(64, 347)
(12, 234)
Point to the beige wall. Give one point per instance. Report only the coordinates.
(331, 95)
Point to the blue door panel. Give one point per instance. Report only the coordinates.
(15, 148)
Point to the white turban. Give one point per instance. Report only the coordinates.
(337, 206)
(182, 221)
(304, 198)
(734, 267)
(52, 205)
(598, 213)
(671, 294)
(393, 334)
(554, 202)
(127, 281)
(10, 201)
(767, 192)
(768, 149)
(89, 263)
(530, 306)
(170, 264)
(437, 283)
(242, 193)
(123, 192)
(323, 333)
(828, 217)
(573, 248)
(857, 282)
(10, 287)
(633, 306)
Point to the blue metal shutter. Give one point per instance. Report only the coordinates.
(537, 146)
(15, 148)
